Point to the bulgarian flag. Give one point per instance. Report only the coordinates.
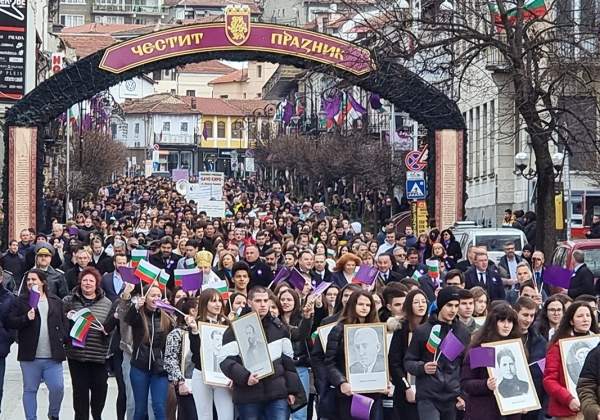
(416, 275)
(84, 313)
(163, 279)
(531, 9)
(147, 272)
(220, 286)
(138, 255)
(434, 339)
(433, 268)
(80, 329)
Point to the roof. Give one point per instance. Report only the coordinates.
(211, 66)
(211, 4)
(226, 107)
(100, 28)
(160, 103)
(86, 44)
(148, 29)
(232, 77)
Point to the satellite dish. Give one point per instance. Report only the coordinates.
(181, 186)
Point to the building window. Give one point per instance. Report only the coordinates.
(72, 1)
(136, 129)
(492, 137)
(157, 75)
(221, 130)
(224, 96)
(184, 127)
(259, 71)
(173, 92)
(236, 131)
(208, 129)
(69, 21)
(190, 93)
(166, 126)
(185, 160)
(109, 20)
(170, 74)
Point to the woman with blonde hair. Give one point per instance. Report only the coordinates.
(345, 268)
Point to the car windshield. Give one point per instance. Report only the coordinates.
(496, 242)
(592, 260)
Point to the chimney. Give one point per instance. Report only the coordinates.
(193, 103)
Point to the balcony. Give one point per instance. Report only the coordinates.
(281, 82)
(585, 51)
(176, 139)
(127, 9)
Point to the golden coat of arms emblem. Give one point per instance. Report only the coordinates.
(237, 24)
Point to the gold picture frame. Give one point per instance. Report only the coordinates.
(524, 401)
(571, 357)
(217, 379)
(377, 378)
(251, 361)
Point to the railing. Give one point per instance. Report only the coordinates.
(586, 49)
(181, 139)
(128, 8)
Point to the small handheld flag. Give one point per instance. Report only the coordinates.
(138, 255)
(417, 275)
(451, 347)
(128, 275)
(163, 279)
(147, 272)
(34, 297)
(80, 329)
(366, 274)
(434, 339)
(433, 268)
(188, 278)
(296, 280)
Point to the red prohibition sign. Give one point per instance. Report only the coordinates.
(412, 161)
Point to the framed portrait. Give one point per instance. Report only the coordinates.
(253, 346)
(323, 332)
(515, 391)
(573, 352)
(366, 357)
(211, 341)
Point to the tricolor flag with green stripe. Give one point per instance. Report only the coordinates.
(84, 313)
(163, 279)
(138, 255)
(433, 268)
(180, 273)
(80, 329)
(434, 339)
(417, 275)
(147, 272)
(220, 286)
(531, 10)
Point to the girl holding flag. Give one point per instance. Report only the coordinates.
(92, 315)
(501, 324)
(43, 328)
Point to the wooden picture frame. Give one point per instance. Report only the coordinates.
(253, 345)
(517, 395)
(370, 355)
(573, 351)
(211, 373)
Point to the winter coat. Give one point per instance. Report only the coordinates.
(536, 345)
(283, 382)
(300, 329)
(29, 330)
(588, 387)
(147, 355)
(96, 343)
(453, 250)
(15, 263)
(444, 385)
(7, 335)
(559, 396)
(57, 284)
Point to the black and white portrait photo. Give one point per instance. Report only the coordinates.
(573, 352)
(515, 392)
(252, 343)
(366, 357)
(211, 342)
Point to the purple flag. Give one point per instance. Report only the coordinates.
(76, 343)
(366, 274)
(281, 275)
(558, 276)
(73, 231)
(375, 101)
(482, 357)
(361, 407)
(192, 281)
(177, 174)
(331, 106)
(356, 105)
(34, 297)
(541, 364)
(288, 112)
(451, 346)
(160, 304)
(205, 132)
(127, 275)
(320, 289)
(297, 280)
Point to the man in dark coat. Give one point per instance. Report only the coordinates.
(582, 280)
(165, 258)
(320, 271)
(260, 273)
(12, 261)
(594, 232)
(82, 259)
(481, 274)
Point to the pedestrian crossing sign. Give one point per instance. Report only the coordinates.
(415, 189)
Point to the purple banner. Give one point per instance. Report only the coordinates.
(127, 275)
(482, 357)
(366, 274)
(177, 174)
(361, 407)
(34, 298)
(192, 281)
(451, 346)
(197, 38)
(558, 276)
(320, 289)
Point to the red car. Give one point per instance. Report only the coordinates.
(563, 254)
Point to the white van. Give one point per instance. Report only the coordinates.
(493, 240)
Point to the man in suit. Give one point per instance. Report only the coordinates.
(98, 254)
(165, 258)
(320, 272)
(368, 350)
(384, 265)
(112, 283)
(537, 268)
(82, 259)
(480, 274)
(582, 280)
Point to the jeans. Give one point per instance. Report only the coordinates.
(205, 395)
(129, 401)
(2, 370)
(304, 375)
(52, 373)
(269, 410)
(158, 385)
(90, 386)
(432, 410)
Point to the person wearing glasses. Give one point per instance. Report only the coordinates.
(537, 267)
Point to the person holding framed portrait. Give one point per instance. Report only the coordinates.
(578, 321)
(208, 392)
(360, 309)
(482, 390)
(269, 396)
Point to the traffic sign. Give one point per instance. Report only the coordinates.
(415, 189)
(155, 147)
(415, 175)
(413, 161)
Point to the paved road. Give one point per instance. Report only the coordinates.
(12, 402)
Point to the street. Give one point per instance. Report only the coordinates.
(12, 405)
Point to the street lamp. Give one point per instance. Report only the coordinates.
(447, 6)
(403, 5)
(523, 165)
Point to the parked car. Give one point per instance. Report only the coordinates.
(563, 254)
(493, 240)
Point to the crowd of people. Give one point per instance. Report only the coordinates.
(155, 353)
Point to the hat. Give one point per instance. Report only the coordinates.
(306, 204)
(446, 295)
(204, 259)
(44, 249)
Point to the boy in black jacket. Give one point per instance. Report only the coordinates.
(437, 382)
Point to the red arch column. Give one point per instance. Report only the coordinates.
(449, 177)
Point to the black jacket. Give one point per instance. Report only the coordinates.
(453, 250)
(588, 386)
(594, 232)
(317, 279)
(15, 263)
(444, 385)
(503, 269)
(277, 386)
(29, 331)
(300, 329)
(7, 335)
(260, 274)
(582, 282)
(72, 277)
(493, 285)
(147, 355)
